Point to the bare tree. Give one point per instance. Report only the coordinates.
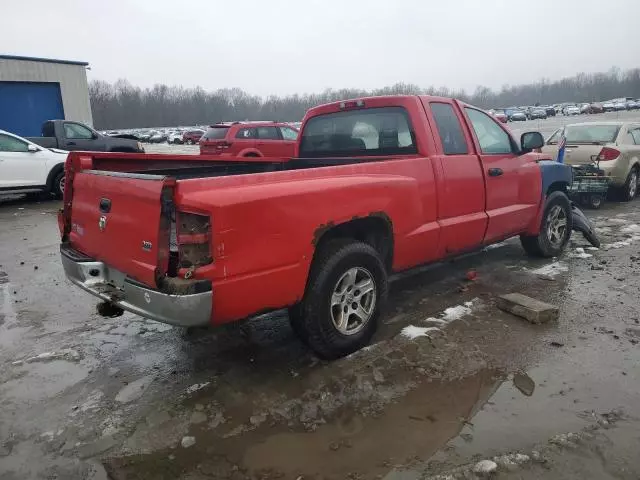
(122, 105)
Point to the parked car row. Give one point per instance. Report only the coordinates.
(523, 113)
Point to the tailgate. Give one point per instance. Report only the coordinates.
(123, 220)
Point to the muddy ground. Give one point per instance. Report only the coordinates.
(87, 397)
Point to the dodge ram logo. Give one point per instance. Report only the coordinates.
(102, 223)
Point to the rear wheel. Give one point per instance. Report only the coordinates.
(345, 293)
(630, 188)
(555, 228)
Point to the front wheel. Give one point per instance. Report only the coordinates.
(555, 228)
(346, 291)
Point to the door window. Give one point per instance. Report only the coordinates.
(492, 138)
(449, 128)
(289, 133)
(12, 144)
(77, 132)
(268, 133)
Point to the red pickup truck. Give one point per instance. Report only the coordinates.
(377, 186)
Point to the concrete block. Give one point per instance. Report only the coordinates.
(528, 308)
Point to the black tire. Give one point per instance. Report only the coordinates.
(314, 320)
(626, 193)
(595, 201)
(295, 320)
(542, 245)
(58, 185)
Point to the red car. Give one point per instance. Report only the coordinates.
(378, 185)
(249, 139)
(501, 116)
(191, 137)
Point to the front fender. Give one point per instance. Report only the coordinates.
(554, 172)
(551, 173)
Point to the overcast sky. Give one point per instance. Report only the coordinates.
(281, 47)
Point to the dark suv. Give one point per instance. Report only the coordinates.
(250, 139)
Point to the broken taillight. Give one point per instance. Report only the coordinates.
(190, 244)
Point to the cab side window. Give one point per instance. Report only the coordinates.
(77, 132)
(449, 129)
(492, 138)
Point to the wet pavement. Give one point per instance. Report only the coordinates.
(449, 380)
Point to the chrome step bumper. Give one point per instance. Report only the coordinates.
(108, 284)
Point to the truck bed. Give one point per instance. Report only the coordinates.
(181, 170)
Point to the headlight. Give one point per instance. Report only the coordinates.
(140, 147)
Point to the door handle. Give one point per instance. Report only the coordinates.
(495, 172)
(71, 143)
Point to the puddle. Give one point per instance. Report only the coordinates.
(350, 443)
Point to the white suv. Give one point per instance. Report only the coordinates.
(29, 168)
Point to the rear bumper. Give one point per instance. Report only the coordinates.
(108, 284)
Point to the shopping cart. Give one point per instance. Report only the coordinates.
(589, 186)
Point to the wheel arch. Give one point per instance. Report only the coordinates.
(53, 173)
(250, 152)
(375, 229)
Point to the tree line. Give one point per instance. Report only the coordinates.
(123, 105)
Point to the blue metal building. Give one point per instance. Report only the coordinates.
(33, 90)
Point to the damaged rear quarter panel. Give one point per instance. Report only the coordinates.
(264, 226)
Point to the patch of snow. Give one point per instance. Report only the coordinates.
(64, 354)
(134, 390)
(495, 245)
(609, 246)
(6, 307)
(603, 230)
(485, 467)
(412, 332)
(633, 228)
(455, 313)
(187, 442)
(438, 321)
(580, 253)
(593, 249)
(195, 387)
(616, 221)
(552, 269)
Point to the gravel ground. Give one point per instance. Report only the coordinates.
(87, 397)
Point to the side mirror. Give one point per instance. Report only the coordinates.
(95, 136)
(32, 148)
(530, 141)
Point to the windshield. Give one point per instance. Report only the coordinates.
(592, 133)
(215, 133)
(372, 131)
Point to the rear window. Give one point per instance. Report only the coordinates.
(371, 131)
(592, 133)
(215, 133)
